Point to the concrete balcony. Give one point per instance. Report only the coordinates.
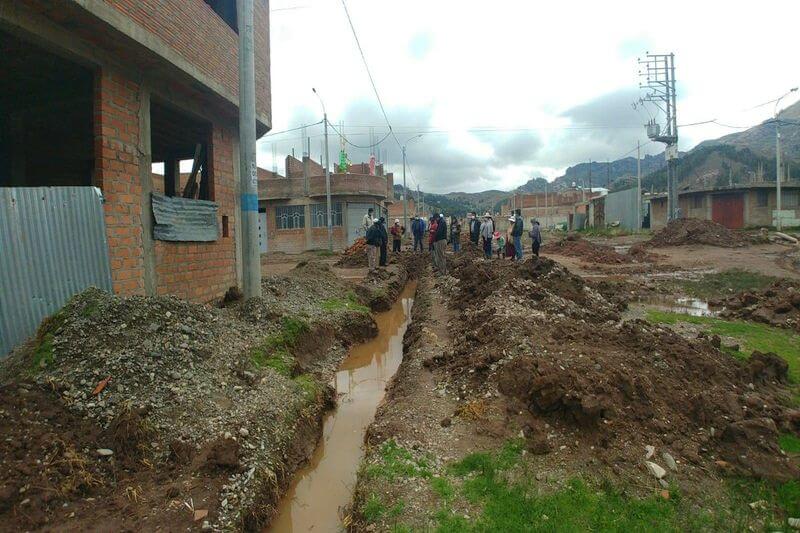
(341, 185)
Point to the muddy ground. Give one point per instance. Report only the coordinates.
(535, 354)
(146, 414)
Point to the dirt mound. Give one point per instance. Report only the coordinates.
(354, 256)
(695, 231)
(576, 246)
(558, 354)
(777, 305)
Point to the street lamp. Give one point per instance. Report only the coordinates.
(405, 191)
(327, 173)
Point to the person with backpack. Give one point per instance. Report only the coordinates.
(516, 233)
(440, 244)
(418, 231)
(535, 234)
(384, 241)
(487, 234)
(397, 232)
(373, 238)
(474, 228)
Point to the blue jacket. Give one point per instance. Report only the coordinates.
(418, 228)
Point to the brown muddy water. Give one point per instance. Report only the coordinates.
(321, 489)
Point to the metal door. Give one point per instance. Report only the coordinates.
(355, 218)
(728, 210)
(262, 232)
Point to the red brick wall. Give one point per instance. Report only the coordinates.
(202, 271)
(194, 271)
(116, 136)
(193, 30)
(294, 167)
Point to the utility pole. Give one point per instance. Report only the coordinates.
(416, 207)
(659, 81)
(405, 191)
(590, 180)
(248, 172)
(638, 187)
(779, 221)
(327, 173)
(608, 174)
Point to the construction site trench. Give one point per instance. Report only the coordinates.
(615, 384)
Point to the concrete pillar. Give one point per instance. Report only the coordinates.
(146, 179)
(307, 227)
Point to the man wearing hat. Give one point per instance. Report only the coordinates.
(474, 228)
(439, 245)
(487, 234)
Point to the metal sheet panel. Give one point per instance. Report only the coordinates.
(52, 245)
(184, 220)
(355, 217)
(621, 207)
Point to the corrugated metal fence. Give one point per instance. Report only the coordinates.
(52, 246)
(621, 207)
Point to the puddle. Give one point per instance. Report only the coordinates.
(622, 249)
(684, 305)
(325, 485)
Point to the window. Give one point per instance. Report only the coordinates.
(226, 9)
(790, 200)
(697, 201)
(290, 217)
(319, 215)
(762, 198)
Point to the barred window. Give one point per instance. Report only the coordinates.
(290, 217)
(790, 199)
(697, 201)
(762, 198)
(319, 215)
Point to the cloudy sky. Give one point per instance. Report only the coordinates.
(511, 89)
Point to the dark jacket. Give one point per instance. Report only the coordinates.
(374, 235)
(474, 227)
(441, 230)
(384, 234)
(535, 234)
(418, 228)
(455, 233)
(518, 227)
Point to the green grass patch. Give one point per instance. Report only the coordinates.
(751, 336)
(43, 355)
(350, 303)
(396, 462)
(326, 253)
(443, 488)
(725, 283)
(789, 443)
(275, 351)
(308, 385)
(375, 509)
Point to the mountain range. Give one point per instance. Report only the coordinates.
(734, 158)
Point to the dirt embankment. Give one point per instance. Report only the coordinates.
(694, 231)
(144, 413)
(382, 286)
(777, 305)
(556, 351)
(575, 246)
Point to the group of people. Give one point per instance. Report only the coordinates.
(439, 234)
(508, 245)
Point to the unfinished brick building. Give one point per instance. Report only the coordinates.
(95, 92)
(293, 208)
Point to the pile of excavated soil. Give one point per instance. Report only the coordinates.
(123, 412)
(695, 231)
(580, 382)
(355, 256)
(777, 305)
(575, 246)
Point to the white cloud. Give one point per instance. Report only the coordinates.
(547, 69)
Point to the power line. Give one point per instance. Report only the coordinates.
(291, 129)
(369, 73)
(344, 137)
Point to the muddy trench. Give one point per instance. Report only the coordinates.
(320, 492)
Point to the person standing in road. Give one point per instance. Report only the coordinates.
(508, 250)
(367, 221)
(474, 228)
(517, 233)
(418, 230)
(433, 225)
(535, 234)
(455, 234)
(384, 241)
(373, 238)
(487, 234)
(397, 232)
(439, 245)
